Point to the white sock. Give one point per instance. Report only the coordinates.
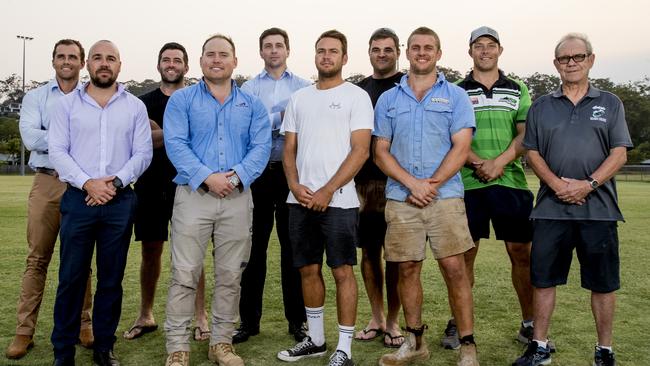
(527, 323)
(315, 324)
(542, 344)
(609, 348)
(346, 333)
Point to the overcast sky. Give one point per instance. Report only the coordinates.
(619, 31)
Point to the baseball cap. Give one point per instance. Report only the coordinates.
(483, 31)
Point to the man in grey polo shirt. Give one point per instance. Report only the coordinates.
(577, 139)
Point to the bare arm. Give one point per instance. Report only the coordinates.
(302, 194)
(455, 158)
(156, 135)
(359, 152)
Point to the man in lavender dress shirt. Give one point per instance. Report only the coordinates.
(99, 142)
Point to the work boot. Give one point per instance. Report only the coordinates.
(467, 355)
(178, 358)
(224, 355)
(19, 346)
(407, 353)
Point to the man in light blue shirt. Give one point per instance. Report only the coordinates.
(274, 85)
(423, 132)
(43, 216)
(219, 139)
(99, 143)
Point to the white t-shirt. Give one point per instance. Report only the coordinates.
(323, 121)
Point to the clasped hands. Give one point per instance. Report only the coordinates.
(100, 191)
(573, 191)
(317, 201)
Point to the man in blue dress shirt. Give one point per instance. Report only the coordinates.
(274, 85)
(219, 139)
(43, 216)
(99, 143)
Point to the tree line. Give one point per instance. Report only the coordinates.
(635, 96)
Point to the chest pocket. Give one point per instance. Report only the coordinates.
(437, 119)
(202, 121)
(240, 121)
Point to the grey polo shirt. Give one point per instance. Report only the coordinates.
(574, 141)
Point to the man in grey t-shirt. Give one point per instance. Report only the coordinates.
(577, 139)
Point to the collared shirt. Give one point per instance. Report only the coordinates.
(87, 141)
(498, 111)
(203, 136)
(420, 131)
(275, 96)
(35, 121)
(574, 140)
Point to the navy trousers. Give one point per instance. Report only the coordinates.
(109, 227)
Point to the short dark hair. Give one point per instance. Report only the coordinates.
(383, 33)
(220, 36)
(336, 35)
(173, 46)
(273, 32)
(70, 42)
(425, 31)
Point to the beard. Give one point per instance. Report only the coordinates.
(326, 74)
(177, 80)
(103, 84)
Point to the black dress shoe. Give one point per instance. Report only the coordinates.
(243, 333)
(299, 331)
(105, 358)
(67, 361)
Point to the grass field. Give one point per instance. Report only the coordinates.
(497, 311)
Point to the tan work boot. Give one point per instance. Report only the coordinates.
(19, 346)
(467, 355)
(178, 358)
(406, 353)
(86, 337)
(224, 355)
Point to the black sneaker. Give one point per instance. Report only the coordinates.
(603, 357)
(525, 336)
(340, 358)
(299, 331)
(450, 339)
(303, 349)
(534, 356)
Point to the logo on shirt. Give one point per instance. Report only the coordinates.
(474, 100)
(440, 100)
(242, 105)
(509, 100)
(598, 113)
(335, 105)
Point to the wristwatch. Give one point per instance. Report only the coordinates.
(234, 180)
(593, 183)
(117, 183)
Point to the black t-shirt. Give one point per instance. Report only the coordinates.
(160, 172)
(375, 88)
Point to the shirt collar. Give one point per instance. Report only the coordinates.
(53, 84)
(265, 74)
(500, 81)
(403, 83)
(592, 92)
(234, 89)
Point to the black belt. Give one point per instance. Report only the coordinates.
(47, 171)
(274, 165)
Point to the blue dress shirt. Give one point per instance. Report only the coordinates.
(203, 136)
(87, 141)
(420, 131)
(275, 96)
(35, 121)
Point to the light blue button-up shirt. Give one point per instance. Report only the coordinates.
(203, 136)
(35, 121)
(420, 131)
(275, 96)
(87, 141)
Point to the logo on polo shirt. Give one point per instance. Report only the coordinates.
(474, 100)
(598, 113)
(440, 100)
(242, 105)
(509, 100)
(335, 105)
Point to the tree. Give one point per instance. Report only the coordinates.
(541, 84)
(450, 74)
(9, 137)
(141, 87)
(11, 89)
(355, 78)
(240, 79)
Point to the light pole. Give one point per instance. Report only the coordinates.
(22, 146)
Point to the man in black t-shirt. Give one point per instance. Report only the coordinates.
(155, 191)
(384, 52)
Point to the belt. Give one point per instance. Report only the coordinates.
(274, 165)
(47, 171)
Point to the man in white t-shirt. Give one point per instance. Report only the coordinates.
(327, 128)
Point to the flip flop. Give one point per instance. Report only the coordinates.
(142, 330)
(363, 334)
(201, 335)
(392, 343)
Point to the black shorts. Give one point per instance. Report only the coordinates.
(372, 222)
(508, 209)
(596, 244)
(334, 232)
(153, 213)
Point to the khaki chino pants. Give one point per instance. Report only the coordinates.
(43, 222)
(198, 217)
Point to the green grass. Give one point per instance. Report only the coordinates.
(497, 311)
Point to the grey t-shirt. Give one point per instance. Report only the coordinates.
(574, 141)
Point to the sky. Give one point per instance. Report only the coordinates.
(528, 30)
